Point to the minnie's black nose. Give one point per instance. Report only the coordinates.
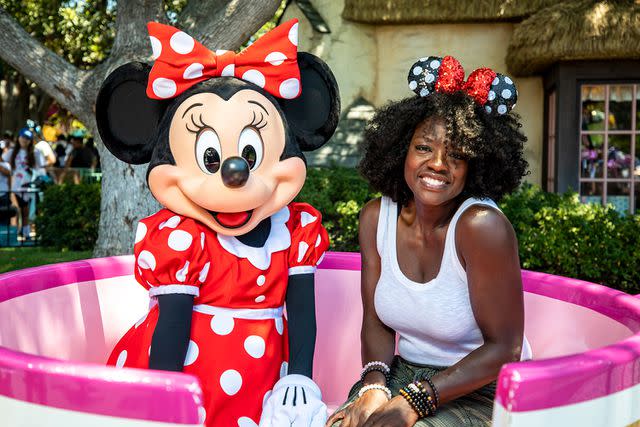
(235, 172)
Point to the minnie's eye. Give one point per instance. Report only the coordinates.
(250, 147)
(208, 152)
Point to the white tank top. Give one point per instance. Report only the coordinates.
(434, 320)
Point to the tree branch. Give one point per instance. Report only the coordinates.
(34, 61)
(131, 27)
(229, 26)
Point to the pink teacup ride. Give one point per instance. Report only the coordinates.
(58, 324)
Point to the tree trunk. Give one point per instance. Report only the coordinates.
(125, 197)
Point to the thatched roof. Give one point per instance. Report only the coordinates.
(440, 11)
(575, 30)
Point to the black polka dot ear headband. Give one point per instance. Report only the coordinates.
(495, 91)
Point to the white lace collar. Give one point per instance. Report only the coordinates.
(278, 240)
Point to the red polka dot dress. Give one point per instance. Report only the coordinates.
(238, 346)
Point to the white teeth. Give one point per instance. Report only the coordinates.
(433, 182)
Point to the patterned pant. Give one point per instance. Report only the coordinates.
(474, 409)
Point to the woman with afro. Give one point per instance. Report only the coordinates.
(440, 266)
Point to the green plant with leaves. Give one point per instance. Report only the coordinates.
(68, 216)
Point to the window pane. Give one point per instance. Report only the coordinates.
(591, 156)
(620, 98)
(591, 192)
(618, 195)
(619, 156)
(592, 107)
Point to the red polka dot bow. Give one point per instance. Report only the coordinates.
(181, 62)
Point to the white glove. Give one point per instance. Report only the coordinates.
(296, 401)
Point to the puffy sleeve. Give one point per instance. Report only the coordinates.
(309, 239)
(169, 255)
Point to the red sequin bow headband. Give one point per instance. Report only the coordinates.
(271, 62)
(495, 91)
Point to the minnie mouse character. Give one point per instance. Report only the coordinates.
(223, 134)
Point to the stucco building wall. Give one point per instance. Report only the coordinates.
(371, 63)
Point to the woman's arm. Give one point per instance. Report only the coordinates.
(489, 251)
(378, 341)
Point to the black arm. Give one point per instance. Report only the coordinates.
(301, 314)
(173, 330)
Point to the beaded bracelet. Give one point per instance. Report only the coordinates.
(425, 394)
(435, 390)
(421, 411)
(376, 366)
(366, 388)
(419, 399)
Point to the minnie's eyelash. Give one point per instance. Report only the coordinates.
(258, 123)
(198, 126)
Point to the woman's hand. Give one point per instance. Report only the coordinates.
(395, 413)
(357, 413)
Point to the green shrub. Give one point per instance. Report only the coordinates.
(68, 216)
(338, 193)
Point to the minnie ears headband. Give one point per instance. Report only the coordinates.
(496, 92)
(181, 62)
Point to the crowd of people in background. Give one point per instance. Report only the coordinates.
(28, 161)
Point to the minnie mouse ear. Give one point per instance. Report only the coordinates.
(502, 95)
(434, 73)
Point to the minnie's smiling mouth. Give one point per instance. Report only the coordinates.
(232, 219)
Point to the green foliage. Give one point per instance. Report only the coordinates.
(68, 216)
(557, 234)
(339, 194)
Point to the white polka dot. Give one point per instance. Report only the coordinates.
(246, 422)
(279, 325)
(318, 241)
(302, 250)
(193, 71)
(321, 258)
(180, 240)
(156, 47)
(122, 358)
(508, 80)
(275, 58)
(306, 218)
(495, 81)
(220, 52)
(142, 319)
(289, 88)
(202, 415)
(229, 70)
(204, 272)
(192, 353)
(293, 34)
(435, 64)
(202, 240)
(506, 94)
(266, 397)
(260, 280)
(417, 70)
(487, 109)
(141, 231)
(164, 88)
(182, 42)
(284, 369)
(260, 298)
(231, 381)
(255, 77)
(181, 275)
(491, 96)
(502, 109)
(429, 78)
(255, 346)
(413, 85)
(171, 222)
(424, 92)
(147, 261)
(221, 324)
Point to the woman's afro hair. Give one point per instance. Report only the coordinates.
(493, 145)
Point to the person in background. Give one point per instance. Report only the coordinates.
(81, 158)
(24, 160)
